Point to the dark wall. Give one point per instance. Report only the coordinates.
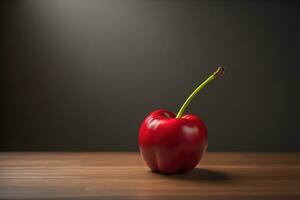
(82, 75)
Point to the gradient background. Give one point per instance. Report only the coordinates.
(82, 75)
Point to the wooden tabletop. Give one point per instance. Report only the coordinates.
(124, 176)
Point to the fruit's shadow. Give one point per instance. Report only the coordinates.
(198, 174)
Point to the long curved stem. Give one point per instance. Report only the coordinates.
(218, 72)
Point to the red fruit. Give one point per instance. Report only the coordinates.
(172, 145)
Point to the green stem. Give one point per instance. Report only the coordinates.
(218, 72)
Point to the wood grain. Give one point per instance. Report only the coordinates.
(124, 176)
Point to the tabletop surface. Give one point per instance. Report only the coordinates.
(124, 176)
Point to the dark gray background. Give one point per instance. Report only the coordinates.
(82, 75)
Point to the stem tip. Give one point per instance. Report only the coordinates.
(219, 72)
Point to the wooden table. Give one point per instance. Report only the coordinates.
(124, 176)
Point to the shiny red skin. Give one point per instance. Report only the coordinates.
(172, 145)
